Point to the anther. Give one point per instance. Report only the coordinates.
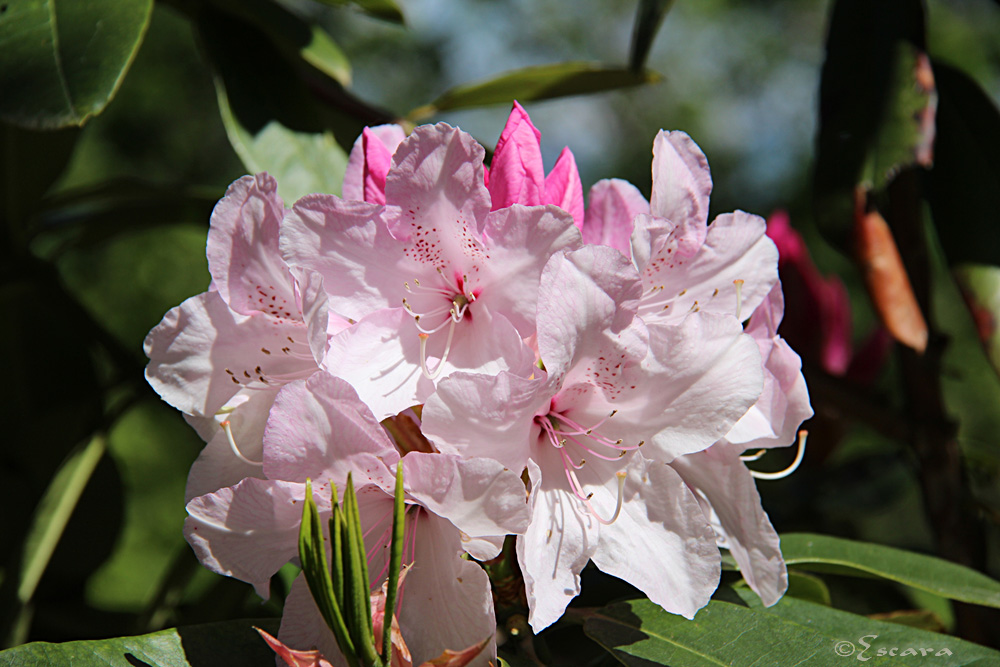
(232, 445)
(803, 434)
(739, 298)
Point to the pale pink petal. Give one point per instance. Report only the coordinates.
(243, 257)
(218, 466)
(248, 531)
(521, 240)
(481, 415)
(302, 624)
(390, 137)
(478, 495)
(517, 175)
(557, 545)
(446, 601)
(682, 184)
(319, 428)
(346, 242)
(775, 418)
(564, 188)
(724, 481)
(661, 542)
(314, 306)
(583, 294)
(735, 248)
(202, 353)
(436, 192)
(613, 205)
(704, 373)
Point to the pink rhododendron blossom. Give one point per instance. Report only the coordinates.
(320, 430)
(368, 164)
(435, 281)
(225, 352)
(611, 385)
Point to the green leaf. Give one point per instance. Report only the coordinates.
(273, 120)
(793, 632)
(395, 557)
(312, 553)
(537, 83)
(63, 60)
(807, 587)
(860, 80)
(228, 643)
(963, 187)
(648, 19)
(980, 287)
(294, 36)
(357, 596)
(386, 10)
(941, 577)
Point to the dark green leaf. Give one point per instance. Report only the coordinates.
(357, 596)
(63, 60)
(648, 18)
(941, 577)
(387, 10)
(980, 287)
(395, 556)
(274, 121)
(857, 89)
(537, 83)
(228, 643)
(963, 188)
(793, 632)
(807, 587)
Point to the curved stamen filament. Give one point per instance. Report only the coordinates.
(444, 355)
(232, 445)
(790, 469)
(755, 456)
(618, 506)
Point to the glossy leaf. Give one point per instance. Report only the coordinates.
(63, 60)
(963, 188)
(387, 10)
(980, 287)
(273, 120)
(639, 633)
(805, 586)
(860, 80)
(648, 19)
(941, 577)
(228, 643)
(537, 83)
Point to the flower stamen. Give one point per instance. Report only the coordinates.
(803, 434)
(739, 298)
(232, 445)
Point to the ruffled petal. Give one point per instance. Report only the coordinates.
(564, 188)
(682, 184)
(613, 205)
(517, 175)
(479, 496)
(521, 240)
(319, 428)
(735, 248)
(243, 256)
(559, 541)
(661, 542)
(202, 353)
(719, 475)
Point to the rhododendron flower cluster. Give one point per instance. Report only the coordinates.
(586, 379)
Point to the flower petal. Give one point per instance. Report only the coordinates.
(202, 353)
(564, 188)
(613, 205)
(517, 175)
(243, 256)
(559, 541)
(719, 475)
(521, 240)
(389, 136)
(319, 428)
(661, 542)
(479, 496)
(682, 184)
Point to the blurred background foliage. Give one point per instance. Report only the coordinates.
(105, 229)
